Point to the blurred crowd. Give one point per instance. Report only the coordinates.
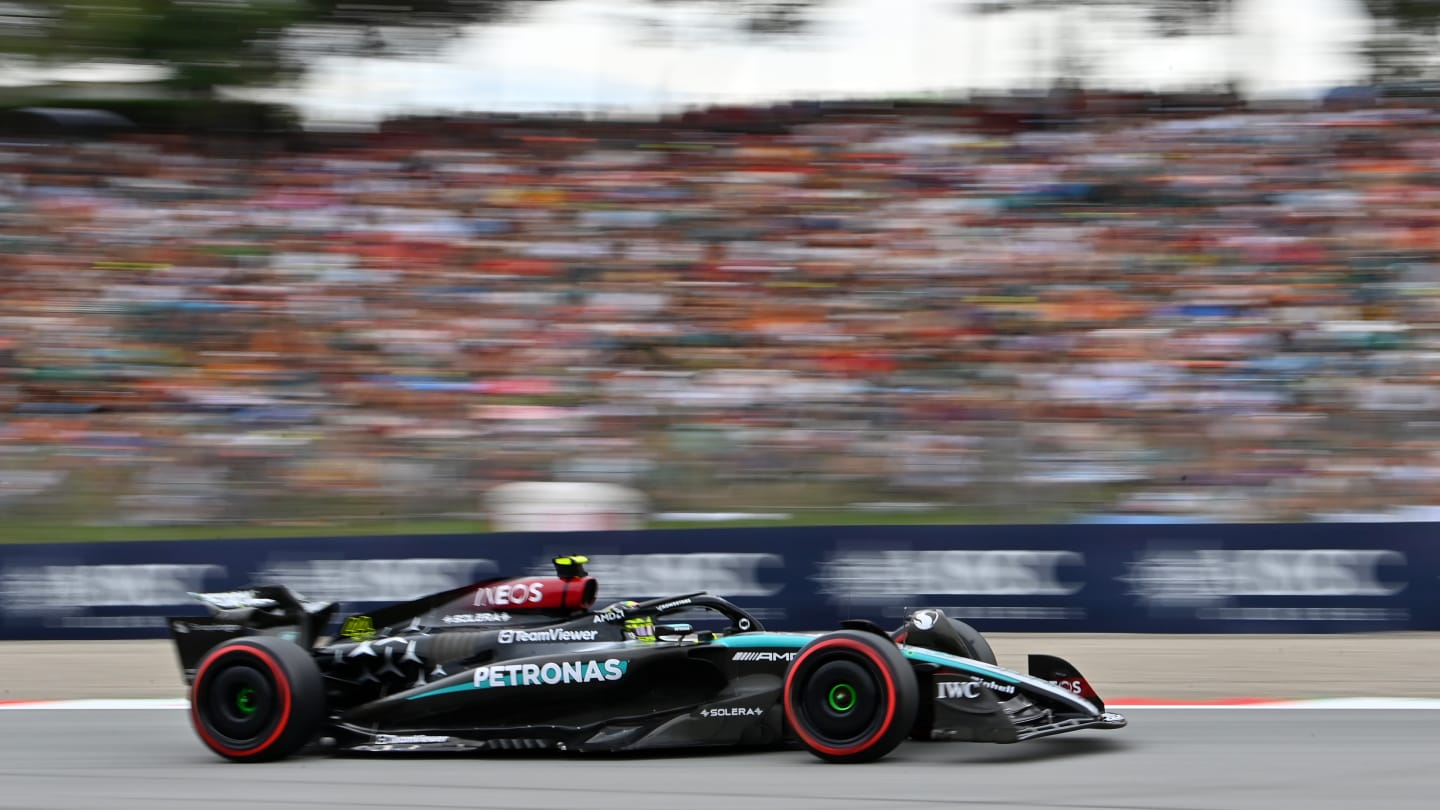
(1227, 317)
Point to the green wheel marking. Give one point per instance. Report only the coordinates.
(842, 697)
(245, 700)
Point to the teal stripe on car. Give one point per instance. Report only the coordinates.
(459, 687)
(956, 662)
(1007, 676)
(794, 641)
(751, 641)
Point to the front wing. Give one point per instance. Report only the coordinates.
(969, 701)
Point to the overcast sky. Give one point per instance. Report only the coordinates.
(588, 55)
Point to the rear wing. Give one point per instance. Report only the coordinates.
(271, 610)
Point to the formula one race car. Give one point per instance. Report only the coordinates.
(528, 663)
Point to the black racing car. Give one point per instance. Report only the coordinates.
(529, 663)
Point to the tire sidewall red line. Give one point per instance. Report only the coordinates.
(890, 696)
(282, 685)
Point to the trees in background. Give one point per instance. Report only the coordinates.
(1401, 47)
(208, 44)
(1403, 44)
(205, 44)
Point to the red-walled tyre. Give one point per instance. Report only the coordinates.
(850, 696)
(257, 699)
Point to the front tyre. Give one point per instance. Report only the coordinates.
(850, 696)
(257, 699)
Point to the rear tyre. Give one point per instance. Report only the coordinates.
(850, 696)
(257, 699)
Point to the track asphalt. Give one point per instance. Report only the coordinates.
(1206, 759)
(1195, 759)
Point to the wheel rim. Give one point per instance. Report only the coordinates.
(238, 703)
(840, 700)
(245, 700)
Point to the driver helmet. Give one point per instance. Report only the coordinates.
(640, 628)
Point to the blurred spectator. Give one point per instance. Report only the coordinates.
(1231, 317)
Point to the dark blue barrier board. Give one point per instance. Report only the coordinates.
(1180, 578)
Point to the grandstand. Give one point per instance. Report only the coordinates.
(1030, 308)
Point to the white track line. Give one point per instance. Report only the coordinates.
(131, 703)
